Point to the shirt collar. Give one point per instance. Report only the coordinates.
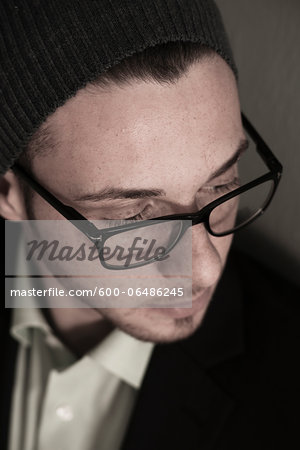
(23, 320)
(119, 353)
(124, 356)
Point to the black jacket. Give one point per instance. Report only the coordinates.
(233, 385)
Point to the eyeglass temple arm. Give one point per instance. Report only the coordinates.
(69, 213)
(263, 149)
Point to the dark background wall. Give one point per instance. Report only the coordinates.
(265, 36)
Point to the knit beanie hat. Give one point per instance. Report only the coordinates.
(49, 49)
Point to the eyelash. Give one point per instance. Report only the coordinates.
(134, 218)
(118, 222)
(224, 188)
(221, 189)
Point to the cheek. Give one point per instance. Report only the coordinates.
(222, 245)
(223, 217)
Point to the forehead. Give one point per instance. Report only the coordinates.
(132, 133)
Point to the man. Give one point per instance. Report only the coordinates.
(129, 109)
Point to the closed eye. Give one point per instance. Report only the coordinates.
(140, 216)
(223, 188)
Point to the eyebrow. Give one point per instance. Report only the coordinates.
(118, 194)
(243, 146)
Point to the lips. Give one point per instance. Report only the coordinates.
(198, 304)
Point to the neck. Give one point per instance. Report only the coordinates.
(80, 329)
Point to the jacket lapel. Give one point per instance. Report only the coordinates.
(179, 404)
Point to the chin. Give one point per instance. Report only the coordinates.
(156, 326)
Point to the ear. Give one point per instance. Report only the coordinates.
(12, 205)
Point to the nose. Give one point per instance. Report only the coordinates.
(207, 264)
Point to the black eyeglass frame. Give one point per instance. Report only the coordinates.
(99, 236)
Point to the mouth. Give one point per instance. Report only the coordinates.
(199, 303)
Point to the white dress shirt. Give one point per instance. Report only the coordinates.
(61, 402)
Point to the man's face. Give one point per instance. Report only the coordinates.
(149, 136)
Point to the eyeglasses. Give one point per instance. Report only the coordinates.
(222, 216)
